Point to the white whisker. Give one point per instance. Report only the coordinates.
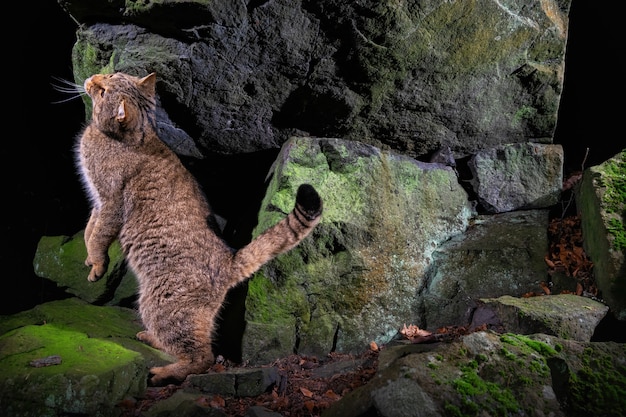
(67, 87)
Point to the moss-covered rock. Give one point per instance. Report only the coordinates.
(565, 315)
(490, 374)
(357, 277)
(61, 259)
(70, 357)
(601, 201)
(409, 76)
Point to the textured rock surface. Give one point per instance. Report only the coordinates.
(601, 201)
(412, 76)
(61, 259)
(103, 366)
(356, 279)
(519, 176)
(567, 316)
(489, 374)
(498, 255)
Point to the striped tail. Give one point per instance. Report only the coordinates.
(281, 237)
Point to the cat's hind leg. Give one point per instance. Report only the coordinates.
(189, 341)
(177, 372)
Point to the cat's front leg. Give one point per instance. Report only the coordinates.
(97, 255)
(93, 217)
(102, 229)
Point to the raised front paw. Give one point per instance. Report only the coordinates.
(98, 269)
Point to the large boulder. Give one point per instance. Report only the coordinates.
(357, 277)
(411, 76)
(71, 357)
(499, 254)
(601, 201)
(519, 176)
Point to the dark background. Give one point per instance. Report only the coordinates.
(45, 197)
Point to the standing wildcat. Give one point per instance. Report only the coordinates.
(142, 194)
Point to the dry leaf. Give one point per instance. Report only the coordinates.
(306, 392)
(412, 331)
(310, 405)
(373, 346)
(217, 402)
(332, 395)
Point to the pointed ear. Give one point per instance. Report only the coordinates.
(121, 112)
(148, 82)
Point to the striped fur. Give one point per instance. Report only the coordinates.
(142, 195)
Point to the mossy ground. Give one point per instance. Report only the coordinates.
(506, 375)
(598, 387)
(80, 354)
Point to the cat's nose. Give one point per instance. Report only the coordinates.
(87, 83)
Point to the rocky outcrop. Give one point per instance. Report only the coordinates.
(359, 274)
(70, 357)
(601, 201)
(517, 177)
(404, 222)
(497, 255)
(493, 374)
(239, 77)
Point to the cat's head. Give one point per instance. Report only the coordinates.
(122, 103)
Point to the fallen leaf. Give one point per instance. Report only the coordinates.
(373, 346)
(306, 392)
(217, 402)
(332, 395)
(310, 405)
(412, 332)
(218, 368)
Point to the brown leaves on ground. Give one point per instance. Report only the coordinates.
(299, 393)
(566, 256)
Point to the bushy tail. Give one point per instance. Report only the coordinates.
(281, 237)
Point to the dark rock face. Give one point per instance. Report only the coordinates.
(412, 77)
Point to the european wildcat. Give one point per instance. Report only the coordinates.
(142, 194)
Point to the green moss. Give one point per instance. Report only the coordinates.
(481, 358)
(519, 340)
(507, 354)
(452, 410)
(88, 60)
(478, 394)
(599, 387)
(80, 353)
(525, 112)
(614, 199)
